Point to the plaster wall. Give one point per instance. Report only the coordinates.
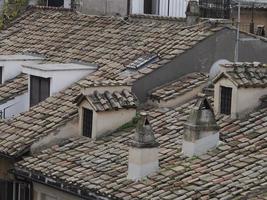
(244, 100)
(59, 80)
(248, 99)
(40, 190)
(70, 129)
(260, 18)
(5, 166)
(221, 45)
(15, 106)
(103, 7)
(142, 162)
(106, 122)
(179, 99)
(11, 69)
(201, 146)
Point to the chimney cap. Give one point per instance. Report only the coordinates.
(144, 136)
(202, 117)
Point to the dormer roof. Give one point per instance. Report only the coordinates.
(107, 101)
(247, 75)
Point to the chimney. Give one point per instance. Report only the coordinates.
(143, 152)
(201, 131)
(192, 12)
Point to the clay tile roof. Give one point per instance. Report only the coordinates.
(236, 169)
(108, 101)
(110, 42)
(179, 87)
(13, 88)
(245, 74)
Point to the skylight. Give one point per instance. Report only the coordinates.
(142, 61)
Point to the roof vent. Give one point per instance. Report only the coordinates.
(200, 130)
(143, 152)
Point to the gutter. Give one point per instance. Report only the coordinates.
(86, 194)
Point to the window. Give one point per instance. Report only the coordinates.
(87, 122)
(1, 75)
(55, 3)
(39, 89)
(148, 6)
(226, 100)
(22, 190)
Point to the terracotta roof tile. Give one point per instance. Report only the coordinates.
(66, 36)
(13, 88)
(179, 87)
(237, 168)
(245, 74)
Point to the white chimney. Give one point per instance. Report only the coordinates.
(201, 131)
(143, 152)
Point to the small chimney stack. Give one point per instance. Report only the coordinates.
(143, 152)
(201, 131)
(192, 12)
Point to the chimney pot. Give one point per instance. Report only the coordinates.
(201, 131)
(192, 12)
(143, 152)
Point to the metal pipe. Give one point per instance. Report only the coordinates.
(237, 35)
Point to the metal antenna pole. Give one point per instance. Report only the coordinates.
(237, 35)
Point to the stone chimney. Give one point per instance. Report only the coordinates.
(192, 12)
(143, 152)
(201, 131)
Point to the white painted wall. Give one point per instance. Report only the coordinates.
(106, 122)
(13, 67)
(39, 190)
(137, 6)
(67, 3)
(173, 8)
(15, 106)
(142, 162)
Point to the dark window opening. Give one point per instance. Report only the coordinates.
(226, 100)
(1, 75)
(39, 89)
(6, 190)
(87, 122)
(55, 3)
(148, 7)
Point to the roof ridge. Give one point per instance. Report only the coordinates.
(157, 17)
(50, 8)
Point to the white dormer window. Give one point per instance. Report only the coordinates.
(102, 111)
(239, 87)
(48, 79)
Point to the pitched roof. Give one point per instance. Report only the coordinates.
(179, 87)
(111, 42)
(107, 101)
(245, 74)
(13, 88)
(235, 169)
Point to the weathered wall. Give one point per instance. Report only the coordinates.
(39, 191)
(106, 122)
(200, 58)
(103, 7)
(260, 18)
(5, 165)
